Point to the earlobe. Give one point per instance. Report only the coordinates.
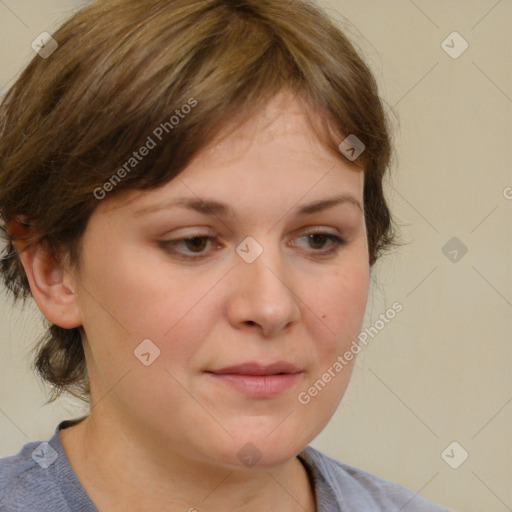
(52, 286)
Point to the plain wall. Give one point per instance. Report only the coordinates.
(440, 371)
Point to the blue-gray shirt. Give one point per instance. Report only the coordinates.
(40, 479)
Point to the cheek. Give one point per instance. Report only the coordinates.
(341, 305)
(129, 299)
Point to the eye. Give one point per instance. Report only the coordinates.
(196, 244)
(318, 240)
(196, 247)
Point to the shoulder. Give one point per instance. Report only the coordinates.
(28, 480)
(38, 479)
(22, 479)
(349, 488)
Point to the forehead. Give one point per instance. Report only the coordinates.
(285, 117)
(276, 155)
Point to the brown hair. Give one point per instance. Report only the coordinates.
(122, 68)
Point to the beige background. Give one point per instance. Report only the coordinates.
(441, 370)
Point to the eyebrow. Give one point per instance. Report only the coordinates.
(219, 209)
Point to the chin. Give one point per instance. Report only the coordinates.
(262, 449)
(251, 457)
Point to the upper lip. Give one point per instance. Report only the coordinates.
(252, 368)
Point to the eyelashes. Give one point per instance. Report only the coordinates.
(197, 245)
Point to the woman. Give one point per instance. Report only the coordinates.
(192, 194)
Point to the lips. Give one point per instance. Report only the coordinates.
(251, 368)
(256, 380)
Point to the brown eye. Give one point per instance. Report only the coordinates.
(191, 248)
(317, 242)
(197, 243)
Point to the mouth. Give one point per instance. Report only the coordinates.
(257, 380)
(258, 369)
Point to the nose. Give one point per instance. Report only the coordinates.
(261, 296)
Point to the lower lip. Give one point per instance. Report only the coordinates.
(259, 386)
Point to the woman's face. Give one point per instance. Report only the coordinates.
(261, 282)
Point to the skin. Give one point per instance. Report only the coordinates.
(166, 436)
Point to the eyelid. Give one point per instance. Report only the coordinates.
(337, 242)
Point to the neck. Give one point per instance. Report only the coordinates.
(120, 472)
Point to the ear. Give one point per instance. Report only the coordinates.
(52, 286)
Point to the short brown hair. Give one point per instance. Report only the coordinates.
(122, 68)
